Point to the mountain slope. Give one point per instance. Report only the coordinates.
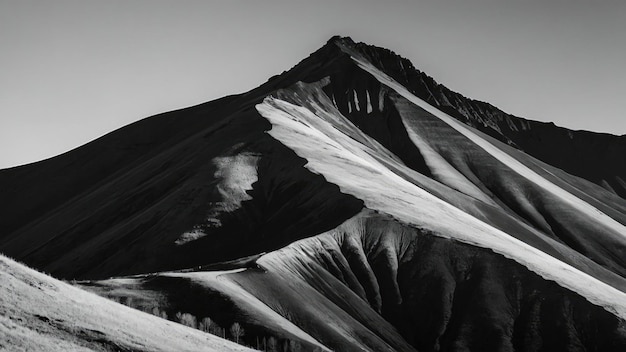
(156, 180)
(400, 226)
(438, 293)
(355, 168)
(597, 157)
(39, 313)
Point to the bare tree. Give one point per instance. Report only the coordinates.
(272, 344)
(207, 325)
(236, 331)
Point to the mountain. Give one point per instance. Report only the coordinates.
(350, 203)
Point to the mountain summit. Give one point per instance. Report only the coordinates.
(350, 203)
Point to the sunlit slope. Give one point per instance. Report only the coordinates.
(278, 299)
(580, 214)
(305, 120)
(39, 313)
(441, 294)
(374, 283)
(574, 214)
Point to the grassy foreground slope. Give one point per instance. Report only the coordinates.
(40, 313)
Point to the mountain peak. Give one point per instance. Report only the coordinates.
(381, 57)
(339, 38)
(581, 153)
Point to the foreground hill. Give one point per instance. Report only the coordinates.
(39, 313)
(390, 222)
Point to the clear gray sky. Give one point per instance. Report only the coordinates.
(73, 70)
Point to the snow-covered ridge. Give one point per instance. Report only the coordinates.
(305, 120)
(586, 208)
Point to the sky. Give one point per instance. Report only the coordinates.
(74, 70)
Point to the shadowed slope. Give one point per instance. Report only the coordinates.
(127, 202)
(133, 223)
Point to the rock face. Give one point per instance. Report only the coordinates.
(404, 215)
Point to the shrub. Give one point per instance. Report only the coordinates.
(187, 319)
(159, 313)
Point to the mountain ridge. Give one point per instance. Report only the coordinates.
(567, 153)
(604, 164)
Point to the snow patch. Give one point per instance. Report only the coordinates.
(192, 235)
(369, 102)
(356, 101)
(236, 174)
